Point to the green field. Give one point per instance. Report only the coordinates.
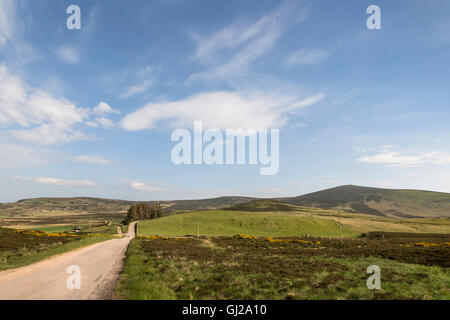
(315, 222)
(223, 222)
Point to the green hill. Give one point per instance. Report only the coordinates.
(264, 205)
(227, 222)
(382, 202)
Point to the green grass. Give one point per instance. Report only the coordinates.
(223, 222)
(315, 222)
(229, 268)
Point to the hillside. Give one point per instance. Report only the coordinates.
(375, 201)
(204, 204)
(79, 204)
(226, 222)
(263, 205)
(38, 212)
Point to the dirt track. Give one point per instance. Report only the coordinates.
(99, 264)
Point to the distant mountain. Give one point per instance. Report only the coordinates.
(78, 205)
(382, 202)
(399, 203)
(99, 206)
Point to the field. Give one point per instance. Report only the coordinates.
(277, 261)
(22, 247)
(302, 221)
(61, 212)
(222, 222)
(261, 268)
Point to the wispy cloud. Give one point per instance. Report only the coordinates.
(17, 155)
(220, 110)
(59, 182)
(136, 89)
(397, 159)
(7, 23)
(68, 54)
(131, 81)
(231, 51)
(146, 187)
(306, 57)
(92, 159)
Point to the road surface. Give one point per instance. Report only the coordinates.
(99, 266)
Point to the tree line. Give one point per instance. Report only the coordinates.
(144, 211)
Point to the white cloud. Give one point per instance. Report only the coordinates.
(101, 123)
(59, 182)
(68, 54)
(105, 122)
(396, 159)
(306, 56)
(47, 134)
(28, 106)
(103, 108)
(220, 110)
(7, 15)
(44, 119)
(140, 186)
(92, 159)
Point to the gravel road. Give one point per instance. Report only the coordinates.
(99, 266)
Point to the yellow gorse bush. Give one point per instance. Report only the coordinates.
(38, 233)
(429, 244)
(243, 236)
(270, 239)
(157, 238)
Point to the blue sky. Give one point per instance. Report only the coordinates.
(90, 112)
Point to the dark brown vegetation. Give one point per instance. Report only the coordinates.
(11, 239)
(265, 268)
(264, 206)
